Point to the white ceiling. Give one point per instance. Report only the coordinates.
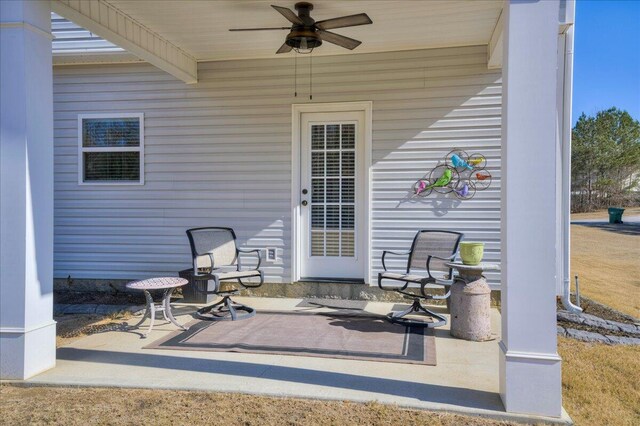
(200, 27)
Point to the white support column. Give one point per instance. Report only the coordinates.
(27, 329)
(530, 376)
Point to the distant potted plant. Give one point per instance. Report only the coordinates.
(471, 252)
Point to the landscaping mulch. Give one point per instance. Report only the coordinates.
(599, 310)
(104, 297)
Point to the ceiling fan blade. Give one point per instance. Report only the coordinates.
(259, 29)
(344, 21)
(342, 41)
(284, 48)
(289, 14)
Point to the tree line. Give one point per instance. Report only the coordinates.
(605, 161)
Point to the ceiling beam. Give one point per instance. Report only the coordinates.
(494, 51)
(103, 19)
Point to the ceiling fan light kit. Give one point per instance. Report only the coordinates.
(305, 34)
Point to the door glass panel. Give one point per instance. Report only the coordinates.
(317, 164)
(333, 136)
(348, 163)
(317, 137)
(317, 190)
(348, 136)
(333, 163)
(347, 244)
(333, 190)
(317, 217)
(333, 216)
(317, 243)
(348, 190)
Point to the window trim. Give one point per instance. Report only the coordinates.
(82, 149)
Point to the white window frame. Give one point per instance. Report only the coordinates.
(82, 149)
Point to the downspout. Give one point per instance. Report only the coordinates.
(567, 93)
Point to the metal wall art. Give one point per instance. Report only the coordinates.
(459, 173)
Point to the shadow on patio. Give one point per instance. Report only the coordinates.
(425, 392)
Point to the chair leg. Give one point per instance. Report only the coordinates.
(225, 310)
(416, 307)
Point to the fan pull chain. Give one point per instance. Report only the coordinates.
(295, 75)
(311, 76)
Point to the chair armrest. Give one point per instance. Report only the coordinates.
(396, 253)
(452, 257)
(256, 251)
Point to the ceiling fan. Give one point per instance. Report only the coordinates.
(306, 34)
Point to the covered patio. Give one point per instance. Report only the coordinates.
(221, 115)
(463, 381)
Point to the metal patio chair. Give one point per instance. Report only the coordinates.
(429, 252)
(217, 258)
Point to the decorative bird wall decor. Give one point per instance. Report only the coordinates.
(442, 180)
(458, 173)
(459, 162)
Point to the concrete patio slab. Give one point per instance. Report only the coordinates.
(465, 379)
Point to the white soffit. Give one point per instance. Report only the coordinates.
(72, 44)
(201, 28)
(102, 18)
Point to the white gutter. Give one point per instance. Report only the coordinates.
(567, 93)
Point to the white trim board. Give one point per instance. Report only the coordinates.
(296, 114)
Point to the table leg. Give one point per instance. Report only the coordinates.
(144, 317)
(166, 300)
(151, 307)
(164, 305)
(147, 311)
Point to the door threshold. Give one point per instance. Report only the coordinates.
(332, 280)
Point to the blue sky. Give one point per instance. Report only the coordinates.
(606, 57)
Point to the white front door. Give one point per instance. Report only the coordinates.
(332, 195)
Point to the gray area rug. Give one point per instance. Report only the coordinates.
(328, 335)
(333, 304)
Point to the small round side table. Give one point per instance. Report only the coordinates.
(168, 284)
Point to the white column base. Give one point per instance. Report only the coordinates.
(526, 374)
(25, 353)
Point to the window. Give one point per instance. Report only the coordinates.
(111, 149)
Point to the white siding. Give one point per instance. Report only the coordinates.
(219, 153)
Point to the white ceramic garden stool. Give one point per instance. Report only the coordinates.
(471, 302)
(168, 284)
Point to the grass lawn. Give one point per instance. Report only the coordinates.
(600, 383)
(608, 265)
(99, 406)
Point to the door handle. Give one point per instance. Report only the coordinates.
(304, 202)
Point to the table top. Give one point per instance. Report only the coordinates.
(479, 268)
(157, 283)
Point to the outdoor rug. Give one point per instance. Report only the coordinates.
(327, 335)
(357, 305)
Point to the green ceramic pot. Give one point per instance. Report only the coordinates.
(471, 252)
